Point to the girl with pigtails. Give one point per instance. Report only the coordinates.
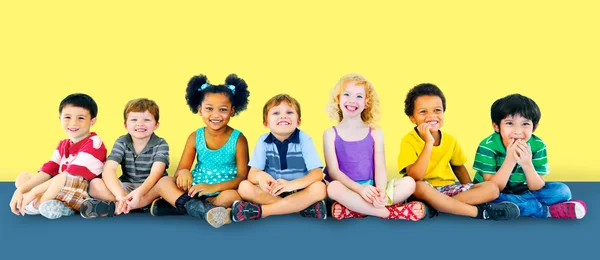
(208, 189)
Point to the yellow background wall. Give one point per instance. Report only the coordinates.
(476, 51)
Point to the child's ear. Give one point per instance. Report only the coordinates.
(496, 127)
(535, 127)
(299, 121)
(412, 119)
(93, 121)
(265, 123)
(232, 111)
(157, 125)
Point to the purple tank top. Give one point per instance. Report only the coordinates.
(356, 158)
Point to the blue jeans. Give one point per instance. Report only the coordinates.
(535, 203)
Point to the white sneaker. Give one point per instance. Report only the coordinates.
(54, 209)
(30, 209)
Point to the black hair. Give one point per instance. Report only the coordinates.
(515, 104)
(424, 89)
(80, 100)
(195, 92)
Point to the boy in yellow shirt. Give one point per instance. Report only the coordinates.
(435, 160)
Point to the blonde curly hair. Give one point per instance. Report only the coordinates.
(371, 112)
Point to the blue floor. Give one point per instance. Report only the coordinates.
(141, 236)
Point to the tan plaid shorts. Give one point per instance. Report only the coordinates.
(74, 192)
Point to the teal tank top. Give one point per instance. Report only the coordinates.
(215, 166)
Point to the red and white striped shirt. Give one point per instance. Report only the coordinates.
(85, 158)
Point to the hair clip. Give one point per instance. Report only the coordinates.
(204, 86)
(232, 88)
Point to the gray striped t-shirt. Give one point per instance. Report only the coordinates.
(136, 168)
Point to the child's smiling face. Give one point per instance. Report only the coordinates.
(282, 120)
(216, 110)
(76, 122)
(352, 100)
(514, 127)
(429, 109)
(141, 125)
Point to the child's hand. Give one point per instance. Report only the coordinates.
(133, 200)
(381, 200)
(27, 198)
(369, 193)
(425, 133)
(511, 152)
(16, 202)
(201, 189)
(121, 205)
(281, 186)
(522, 152)
(184, 180)
(266, 182)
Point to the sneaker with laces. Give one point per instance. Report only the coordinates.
(573, 209)
(243, 210)
(501, 211)
(317, 210)
(94, 208)
(53, 209)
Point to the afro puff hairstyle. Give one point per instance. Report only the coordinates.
(195, 93)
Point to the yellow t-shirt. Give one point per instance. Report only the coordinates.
(439, 173)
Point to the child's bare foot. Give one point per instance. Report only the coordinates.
(339, 212)
(410, 211)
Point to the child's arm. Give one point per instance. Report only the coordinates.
(418, 169)
(381, 174)
(503, 174)
(36, 180)
(281, 186)
(183, 174)
(264, 180)
(16, 202)
(462, 174)
(156, 172)
(524, 158)
(37, 191)
(109, 176)
(332, 163)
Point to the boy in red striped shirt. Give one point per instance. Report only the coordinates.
(61, 184)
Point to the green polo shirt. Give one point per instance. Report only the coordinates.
(491, 153)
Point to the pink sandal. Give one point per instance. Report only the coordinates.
(346, 212)
(404, 211)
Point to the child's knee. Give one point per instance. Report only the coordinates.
(491, 189)
(165, 180)
(421, 188)
(406, 184)
(334, 189)
(318, 190)
(560, 191)
(227, 197)
(245, 189)
(96, 187)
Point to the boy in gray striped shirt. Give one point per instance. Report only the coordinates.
(144, 158)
